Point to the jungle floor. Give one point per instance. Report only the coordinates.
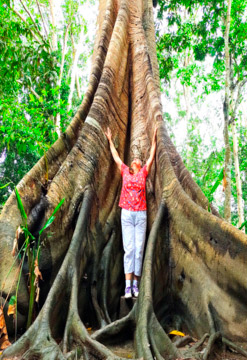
(126, 350)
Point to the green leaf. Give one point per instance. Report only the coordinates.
(2, 187)
(12, 306)
(27, 233)
(20, 205)
(52, 217)
(217, 183)
(243, 224)
(47, 224)
(58, 206)
(12, 300)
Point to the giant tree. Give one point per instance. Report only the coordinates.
(195, 263)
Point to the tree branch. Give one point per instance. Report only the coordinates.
(76, 54)
(232, 345)
(31, 17)
(43, 20)
(30, 88)
(53, 21)
(240, 86)
(24, 20)
(65, 40)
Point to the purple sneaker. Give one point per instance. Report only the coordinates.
(135, 291)
(128, 294)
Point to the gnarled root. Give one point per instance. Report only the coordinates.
(116, 327)
(39, 340)
(214, 340)
(151, 339)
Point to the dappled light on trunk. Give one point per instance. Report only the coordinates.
(194, 269)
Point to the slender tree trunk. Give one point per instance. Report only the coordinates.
(54, 25)
(42, 17)
(187, 99)
(65, 40)
(234, 107)
(54, 44)
(238, 178)
(78, 89)
(227, 203)
(76, 54)
(245, 119)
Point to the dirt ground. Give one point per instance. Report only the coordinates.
(126, 350)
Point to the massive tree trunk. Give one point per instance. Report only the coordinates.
(194, 273)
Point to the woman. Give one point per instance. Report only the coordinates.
(133, 214)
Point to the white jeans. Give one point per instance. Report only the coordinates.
(134, 224)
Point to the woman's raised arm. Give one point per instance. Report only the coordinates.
(114, 152)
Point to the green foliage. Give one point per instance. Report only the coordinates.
(198, 28)
(13, 300)
(21, 207)
(31, 250)
(30, 97)
(215, 186)
(2, 187)
(191, 55)
(203, 161)
(242, 225)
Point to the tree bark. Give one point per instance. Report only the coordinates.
(195, 263)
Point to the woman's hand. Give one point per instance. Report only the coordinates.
(108, 134)
(114, 152)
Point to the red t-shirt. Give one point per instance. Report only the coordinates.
(133, 194)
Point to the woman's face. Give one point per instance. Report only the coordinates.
(136, 165)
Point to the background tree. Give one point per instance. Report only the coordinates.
(227, 168)
(36, 75)
(201, 35)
